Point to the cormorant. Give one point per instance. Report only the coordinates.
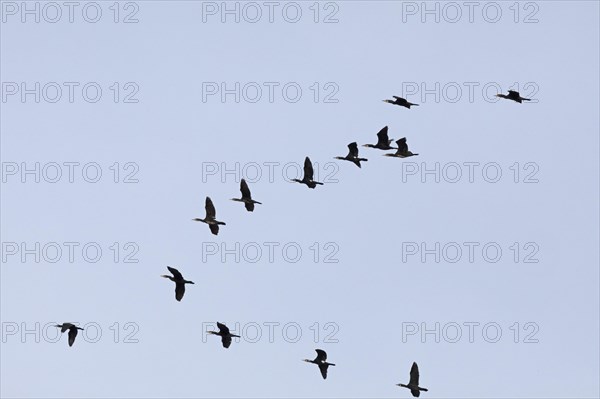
(513, 95)
(320, 361)
(308, 175)
(352, 155)
(72, 331)
(383, 142)
(413, 385)
(224, 334)
(400, 101)
(180, 282)
(246, 197)
(211, 213)
(402, 151)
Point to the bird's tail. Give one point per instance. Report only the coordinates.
(423, 389)
(526, 99)
(317, 182)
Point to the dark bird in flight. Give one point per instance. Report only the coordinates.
(320, 361)
(400, 101)
(246, 197)
(180, 282)
(352, 155)
(72, 331)
(224, 334)
(513, 95)
(211, 213)
(413, 385)
(402, 151)
(308, 175)
(383, 142)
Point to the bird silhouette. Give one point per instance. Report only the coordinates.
(246, 197)
(224, 334)
(383, 142)
(321, 361)
(513, 95)
(400, 101)
(211, 214)
(352, 155)
(180, 282)
(72, 331)
(413, 384)
(308, 175)
(402, 151)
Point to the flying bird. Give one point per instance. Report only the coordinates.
(513, 95)
(352, 155)
(400, 101)
(320, 361)
(211, 214)
(413, 385)
(383, 142)
(224, 334)
(308, 175)
(72, 331)
(402, 151)
(246, 197)
(180, 282)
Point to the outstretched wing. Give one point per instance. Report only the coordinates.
(72, 335)
(414, 375)
(323, 367)
(321, 355)
(353, 147)
(402, 146)
(214, 228)
(226, 341)
(398, 98)
(65, 327)
(382, 136)
(308, 169)
(249, 206)
(514, 93)
(175, 273)
(244, 189)
(211, 213)
(223, 329)
(179, 291)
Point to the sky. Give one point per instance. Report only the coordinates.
(477, 259)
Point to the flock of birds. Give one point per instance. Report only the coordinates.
(383, 143)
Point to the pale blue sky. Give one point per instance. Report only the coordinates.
(370, 294)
